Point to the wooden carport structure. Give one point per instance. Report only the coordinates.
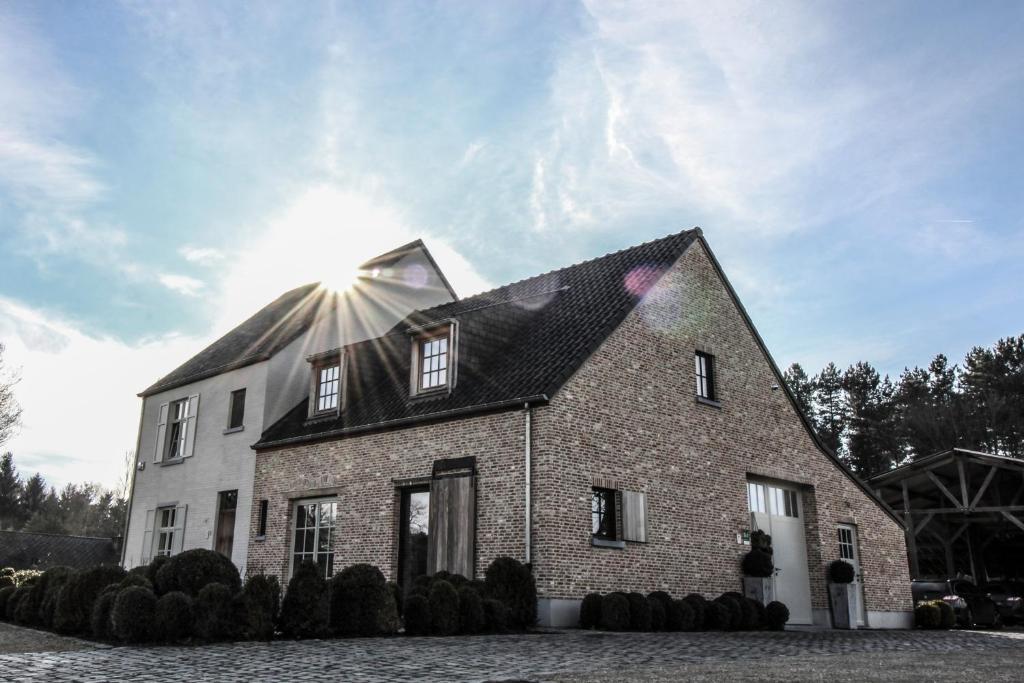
(963, 513)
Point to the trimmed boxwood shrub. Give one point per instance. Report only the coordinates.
(135, 580)
(174, 617)
(840, 571)
(927, 615)
(75, 598)
(776, 615)
(99, 620)
(150, 570)
(679, 616)
(396, 595)
(615, 612)
(7, 579)
(495, 616)
(758, 563)
(759, 618)
(590, 611)
(194, 569)
(444, 609)
(14, 601)
(699, 606)
(5, 594)
(747, 613)
(262, 600)
(133, 613)
(304, 610)
(657, 610)
(361, 604)
(416, 615)
(216, 613)
(471, 610)
(948, 615)
(511, 582)
(42, 600)
(718, 616)
(639, 612)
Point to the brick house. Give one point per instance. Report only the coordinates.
(619, 424)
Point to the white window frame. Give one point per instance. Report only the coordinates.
(333, 500)
(181, 421)
(421, 337)
(319, 363)
(165, 529)
(775, 500)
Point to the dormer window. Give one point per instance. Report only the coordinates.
(433, 359)
(325, 390)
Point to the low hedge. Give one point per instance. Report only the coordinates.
(75, 599)
(38, 609)
(471, 610)
(99, 620)
(416, 615)
(495, 616)
(444, 609)
(590, 611)
(615, 612)
(361, 603)
(512, 582)
(133, 614)
(174, 617)
(776, 615)
(217, 614)
(305, 607)
(679, 616)
(262, 604)
(658, 616)
(927, 615)
(699, 606)
(639, 612)
(5, 594)
(192, 570)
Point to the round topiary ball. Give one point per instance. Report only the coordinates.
(639, 612)
(512, 582)
(840, 571)
(99, 620)
(217, 616)
(758, 563)
(927, 615)
(471, 610)
(133, 614)
(173, 617)
(416, 615)
(590, 611)
(615, 612)
(495, 616)
(361, 603)
(680, 616)
(262, 604)
(304, 609)
(699, 606)
(444, 609)
(718, 616)
(658, 615)
(192, 570)
(776, 615)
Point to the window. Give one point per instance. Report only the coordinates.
(314, 534)
(177, 429)
(772, 499)
(227, 502)
(236, 416)
(165, 518)
(328, 380)
(433, 363)
(261, 524)
(602, 514)
(705, 366)
(846, 543)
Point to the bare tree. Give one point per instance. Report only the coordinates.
(10, 411)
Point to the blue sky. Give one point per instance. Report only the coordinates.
(166, 168)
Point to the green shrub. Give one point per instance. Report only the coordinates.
(495, 616)
(758, 608)
(192, 570)
(14, 601)
(417, 615)
(471, 610)
(421, 585)
(216, 614)
(735, 611)
(361, 604)
(511, 582)
(7, 581)
(840, 571)
(699, 606)
(590, 611)
(745, 611)
(75, 598)
(42, 601)
(657, 610)
(664, 601)
(948, 615)
(174, 617)
(26, 577)
(133, 613)
(5, 594)
(927, 615)
(679, 616)
(776, 615)
(758, 563)
(639, 612)
(99, 620)
(262, 601)
(396, 595)
(150, 570)
(615, 612)
(718, 616)
(305, 608)
(135, 580)
(444, 609)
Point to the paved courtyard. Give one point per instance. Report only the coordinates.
(565, 656)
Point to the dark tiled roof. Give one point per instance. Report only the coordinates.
(521, 341)
(23, 550)
(273, 327)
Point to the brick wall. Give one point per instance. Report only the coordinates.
(630, 415)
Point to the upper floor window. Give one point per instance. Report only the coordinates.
(705, 370)
(177, 429)
(433, 363)
(236, 416)
(433, 359)
(327, 387)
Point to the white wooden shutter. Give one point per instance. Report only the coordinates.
(147, 535)
(161, 434)
(634, 516)
(178, 540)
(190, 426)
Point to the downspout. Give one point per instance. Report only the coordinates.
(527, 453)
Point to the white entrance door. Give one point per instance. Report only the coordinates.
(778, 511)
(849, 551)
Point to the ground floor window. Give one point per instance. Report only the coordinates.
(414, 534)
(315, 522)
(602, 514)
(165, 531)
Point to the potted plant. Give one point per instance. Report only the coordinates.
(759, 569)
(841, 594)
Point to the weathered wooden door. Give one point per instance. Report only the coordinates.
(452, 533)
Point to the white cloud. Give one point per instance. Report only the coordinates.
(182, 284)
(203, 256)
(78, 393)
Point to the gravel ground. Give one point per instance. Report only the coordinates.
(14, 639)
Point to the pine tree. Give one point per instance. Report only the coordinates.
(10, 492)
(830, 407)
(32, 496)
(802, 389)
(872, 445)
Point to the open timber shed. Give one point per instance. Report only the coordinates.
(963, 512)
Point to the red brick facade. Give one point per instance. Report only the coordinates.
(629, 415)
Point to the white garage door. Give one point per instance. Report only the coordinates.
(777, 510)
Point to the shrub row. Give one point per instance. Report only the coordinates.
(658, 611)
(934, 614)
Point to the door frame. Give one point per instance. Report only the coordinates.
(854, 544)
(404, 493)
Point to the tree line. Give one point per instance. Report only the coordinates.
(875, 423)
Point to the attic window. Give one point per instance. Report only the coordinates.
(327, 387)
(433, 363)
(433, 360)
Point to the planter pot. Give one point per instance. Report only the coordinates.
(761, 589)
(844, 605)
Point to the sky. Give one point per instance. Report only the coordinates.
(168, 168)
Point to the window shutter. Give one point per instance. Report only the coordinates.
(190, 427)
(634, 516)
(452, 538)
(177, 542)
(161, 433)
(147, 534)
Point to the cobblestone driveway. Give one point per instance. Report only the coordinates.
(573, 654)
